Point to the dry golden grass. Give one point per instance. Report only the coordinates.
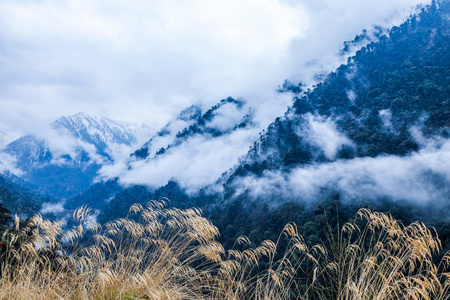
(167, 253)
(383, 260)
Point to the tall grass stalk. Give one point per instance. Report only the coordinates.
(166, 253)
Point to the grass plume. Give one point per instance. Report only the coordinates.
(159, 252)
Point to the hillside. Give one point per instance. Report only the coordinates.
(19, 197)
(373, 102)
(373, 134)
(344, 145)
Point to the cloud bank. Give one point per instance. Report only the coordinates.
(422, 177)
(200, 159)
(146, 60)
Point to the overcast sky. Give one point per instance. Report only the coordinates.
(145, 60)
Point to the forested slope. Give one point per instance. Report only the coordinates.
(388, 105)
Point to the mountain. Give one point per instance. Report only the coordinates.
(99, 131)
(387, 95)
(181, 151)
(374, 133)
(223, 118)
(29, 151)
(19, 197)
(68, 163)
(97, 196)
(190, 132)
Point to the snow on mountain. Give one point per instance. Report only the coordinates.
(28, 150)
(99, 131)
(66, 162)
(95, 135)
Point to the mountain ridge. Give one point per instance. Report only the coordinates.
(88, 143)
(367, 115)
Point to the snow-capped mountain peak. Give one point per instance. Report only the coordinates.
(65, 161)
(98, 130)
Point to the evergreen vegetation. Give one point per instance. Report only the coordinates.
(19, 197)
(388, 87)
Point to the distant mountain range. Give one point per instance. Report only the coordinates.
(375, 131)
(182, 139)
(68, 164)
(89, 143)
(99, 131)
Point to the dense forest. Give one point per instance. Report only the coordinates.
(386, 89)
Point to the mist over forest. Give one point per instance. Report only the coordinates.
(311, 115)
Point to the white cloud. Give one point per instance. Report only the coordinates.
(8, 164)
(155, 56)
(145, 60)
(196, 163)
(386, 118)
(226, 117)
(199, 160)
(351, 96)
(421, 177)
(52, 208)
(323, 132)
